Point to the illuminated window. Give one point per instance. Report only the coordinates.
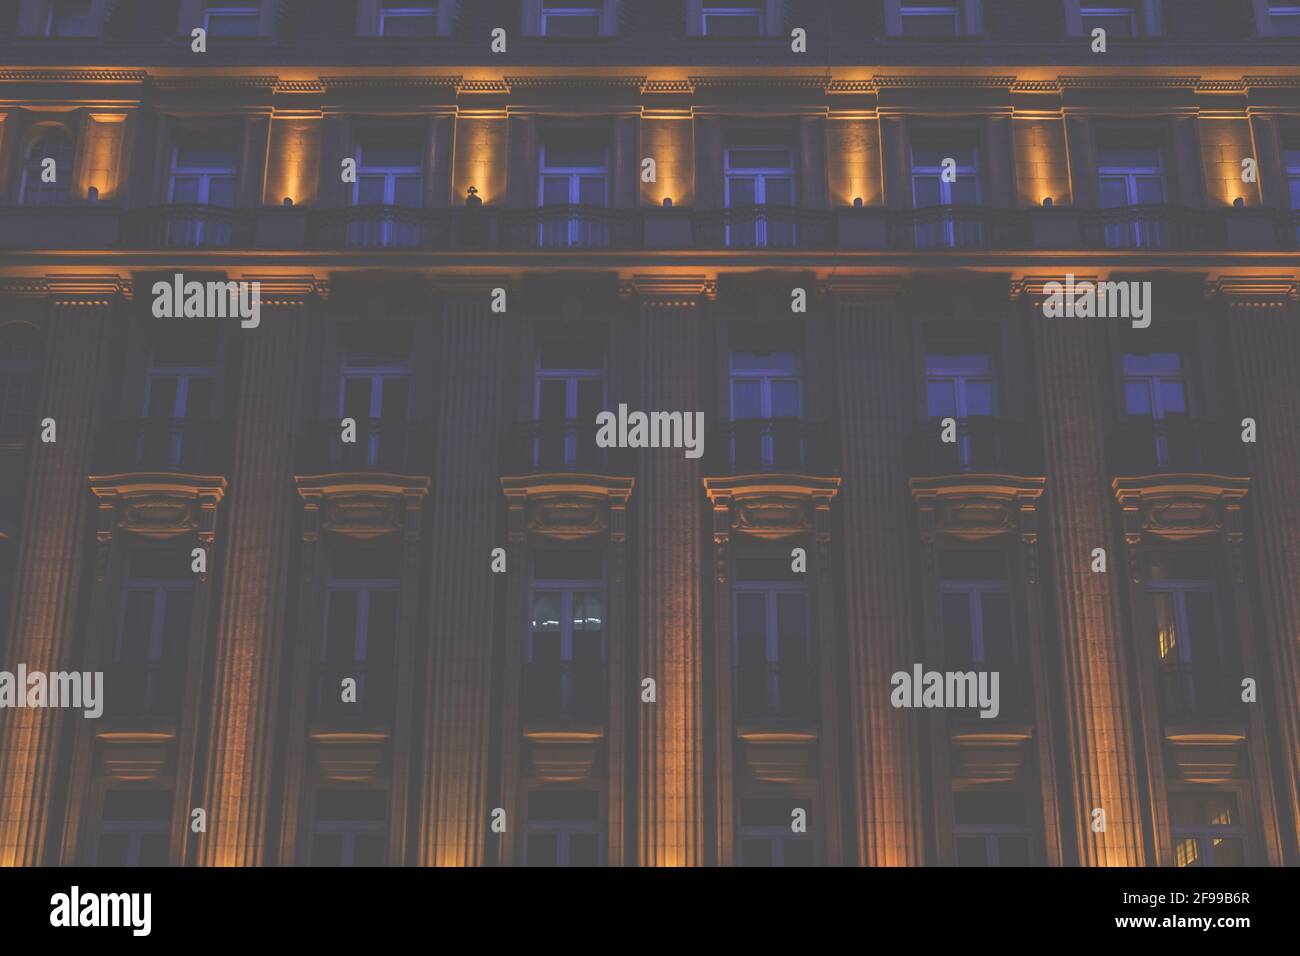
(767, 833)
(350, 828)
(202, 173)
(390, 174)
(70, 18)
(135, 828)
(21, 356)
(1119, 20)
(766, 405)
(374, 391)
(991, 829)
(151, 644)
(772, 646)
(1207, 830)
(736, 19)
(1132, 175)
(759, 193)
(233, 19)
(931, 187)
(563, 828)
(565, 669)
(361, 604)
(400, 18)
(574, 183)
(1284, 19)
(571, 18)
(44, 183)
(930, 19)
(568, 394)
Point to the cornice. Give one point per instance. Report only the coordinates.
(190, 83)
(944, 82)
(1261, 289)
(13, 75)
(1109, 82)
(571, 82)
(287, 289)
(675, 288)
(452, 82)
(760, 82)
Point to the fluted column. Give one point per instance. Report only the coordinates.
(52, 551)
(1069, 362)
(1263, 332)
(884, 772)
(670, 768)
(255, 586)
(463, 598)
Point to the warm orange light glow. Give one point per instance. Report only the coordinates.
(853, 158)
(669, 141)
(480, 158)
(101, 167)
(293, 159)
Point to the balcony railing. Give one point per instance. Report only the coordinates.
(144, 688)
(382, 445)
(374, 689)
(562, 445)
(763, 227)
(1154, 226)
(981, 444)
(1144, 446)
(772, 690)
(379, 227)
(564, 689)
(755, 445)
(191, 445)
(570, 227)
(959, 227)
(189, 226)
(1192, 691)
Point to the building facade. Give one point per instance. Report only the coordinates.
(367, 584)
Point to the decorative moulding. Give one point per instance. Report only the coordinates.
(362, 505)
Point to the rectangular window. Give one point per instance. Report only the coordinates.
(202, 182)
(402, 18)
(1284, 19)
(1207, 830)
(991, 829)
(772, 645)
(978, 621)
(574, 185)
(350, 828)
(1132, 175)
(563, 829)
(760, 196)
(945, 173)
(1291, 157)
(766, 409)
(374, 391)
(568, 394)
(1157, 397)
(233, 19)
(360, 639)
(70, 18)
(179, 409)
(150, 646)
(736, 19)
(571, 18)
(1197, 669)
(776, 832)
(930, 20)
(135, 828)
(1119, 20)
(390, 181)
(565, 669)
(960, 385)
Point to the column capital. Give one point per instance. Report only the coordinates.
(875, 287)
(68, 289)
(1255, 290)
(671, 287)
(288, 289)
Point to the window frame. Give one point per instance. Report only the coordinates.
(572, 376)
(32, 166)
(91, 17)
(233, 9)
(410, 11)
(363, 588)
(1206, 833)
(931, 10)
(771, 591)
(1133, 11)
(567, 590)
(349, 831)
(594, 11)
(756, 12)
(20, 378)
(564, 830)
(760, 175)
(580, 231)
(160, 589)
(134, 830)
(974, 589)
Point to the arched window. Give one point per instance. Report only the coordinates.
(34, 190)
(20, 377)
